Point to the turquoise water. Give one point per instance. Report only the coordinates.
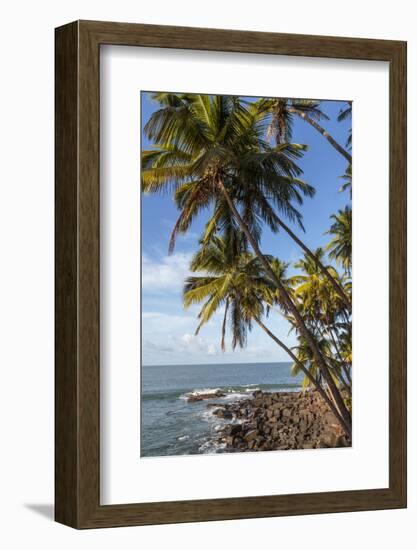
(173, 426)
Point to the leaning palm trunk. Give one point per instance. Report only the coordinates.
(308, 374)
(292, 308)
(331, 398)
(323, 132)
(325, 271)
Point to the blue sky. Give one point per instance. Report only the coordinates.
(168, 329)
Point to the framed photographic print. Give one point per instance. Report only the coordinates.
(230, 274)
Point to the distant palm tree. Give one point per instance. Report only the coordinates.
(340, 247)
(347, 177)
(344, 114)
(210, 151)
(303, 354)
(235, 280)
(284, 110)
(318, 301)
(322, 309)
(345, 342)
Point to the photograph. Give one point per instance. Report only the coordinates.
(246, 273)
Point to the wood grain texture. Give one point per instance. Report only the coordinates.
(398, 273)
(78, 284)
(66, 237)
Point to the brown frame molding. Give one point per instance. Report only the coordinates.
(77, 274)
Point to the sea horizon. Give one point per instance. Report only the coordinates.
(216, 364)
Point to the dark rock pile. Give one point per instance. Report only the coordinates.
(278, 421)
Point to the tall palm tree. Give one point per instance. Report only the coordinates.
(235, 279)
(340, 247)
(284, 110)
(210, 151)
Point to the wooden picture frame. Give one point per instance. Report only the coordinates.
(77, 405)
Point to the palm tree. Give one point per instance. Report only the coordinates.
(322, 308)
(344, 114)
(235, 279)
(340, 247)
(318, 301)
(304, 355)
(284, 110)
(210, 151)
(345, 346)
(347, 177)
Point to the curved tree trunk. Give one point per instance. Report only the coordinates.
(323, 132)
(292, 308)
(307, 373)
(325, 271)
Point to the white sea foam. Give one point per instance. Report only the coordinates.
(211, 447)
(198, 392)
(231, 392)
(236, 395)
(210, 417)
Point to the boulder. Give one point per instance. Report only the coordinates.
(223, 413)
(330, 418)
(251, 435)
(342, 441)
(233, 429)
(329, 439)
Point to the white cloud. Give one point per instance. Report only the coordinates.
(149, 346)
(168, 345)
(211, 349)
(196, 344)
(168, 337)
(167, 274)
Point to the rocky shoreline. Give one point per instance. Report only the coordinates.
(278, 421)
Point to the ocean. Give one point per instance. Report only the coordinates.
(170, 425)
